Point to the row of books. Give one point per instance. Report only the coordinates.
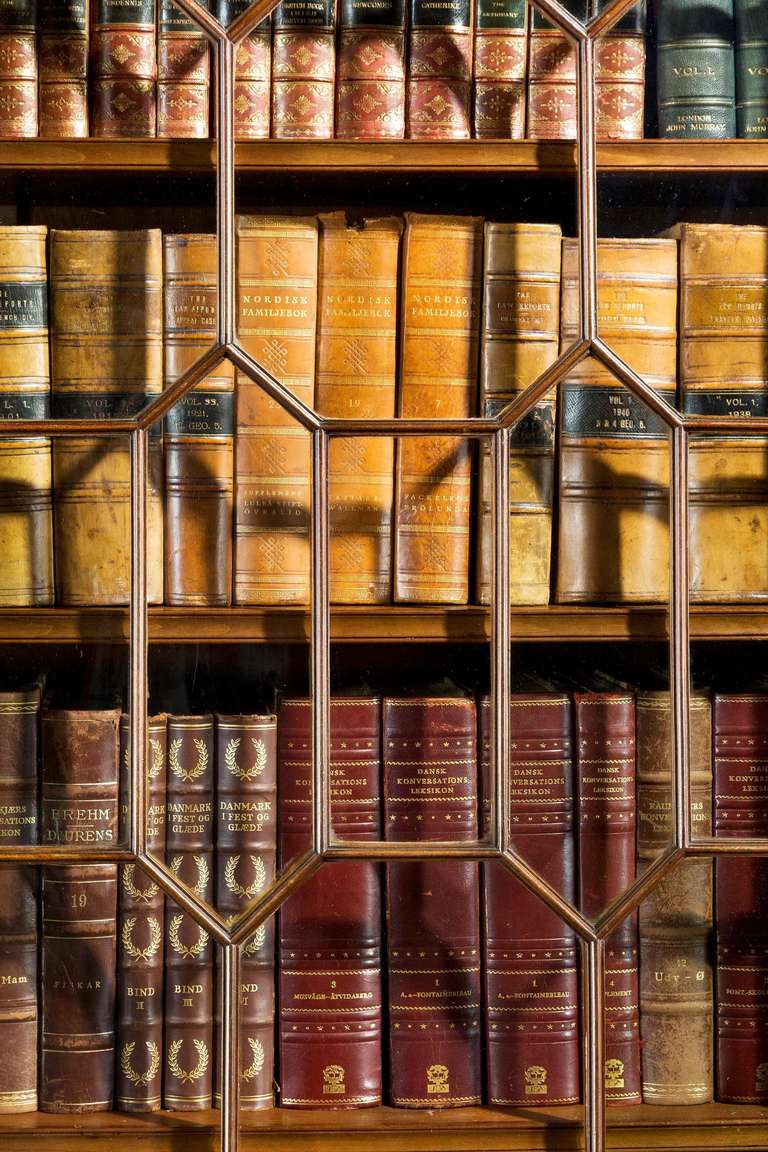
(365, 319)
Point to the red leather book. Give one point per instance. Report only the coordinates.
(620, 78)
(531, 973)
(62, 95)
(123, 68)
(79, 806)
(439, 92)
(433, 907)
(183, 75)
(501, 41)
(740, 739)
(552, 105)
(370, 86)
(330, 929)
(18, 69)
(303, 70)
(606, 798)
(253, 67)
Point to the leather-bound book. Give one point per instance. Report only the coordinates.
(620, 78)
(439, 87)
(106, 360)
(614, 464)
(695, 81)
(189, 977)
(606, 793)
(138, 1070)
(183, 74)
(303, 69)
(330, 929)
(277, 269)
(676, 939)
(370, 83)
(19, 714)
(246, 835)
(26, 526)
(123, 68)
(440, 314)
(253, 68)
(433, 907)
(751, 27)
(501, 43)
(740, 749)
(519, 340)
(552, 106)
(356, 369)
(531, 973)
(62, 34)
(79, 806)
(18, 69)
(199, 434)
(723, 349)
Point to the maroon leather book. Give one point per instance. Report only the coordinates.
(740, 738)
(253, 67)
(531, 972)
(62, 46)
(606, 799)
(330, 929)
(246, 779)
(552, 104)
(439, 96)
(433, 907)
(123, 68)
(303, 69)
(79, 806)
(370, 87)
(188, 1052)
(18, 69)
(183, 75)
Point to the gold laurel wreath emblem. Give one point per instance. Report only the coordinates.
(155, 938)
(256, 940)
(182, 1074)
(140, 1078)
(257, 1063)
(203, 872)
(144, 894)
(188, 951)
(258, 766)
(198, 768)
(156, 767)
(230, 879)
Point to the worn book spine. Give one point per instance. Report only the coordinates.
(614, 464)
(620, 77)
(441, 285)
(183, 74)
(330, 929)
(277, 262)
(552, 105)
(303, 69)
(18, 69)
(751, 70)
(79, 806)
(253, 69)
(106, 360)
(439, 88)
(19, 716)
(370, 85)
(531, 973)
(695, 82)
(198, 434)
(123, 68)
(433, 907)
(26, 526)
(519, 340)
(675, 920)
(246, 848)
(356, 370)
(62, 32)
(500, 51)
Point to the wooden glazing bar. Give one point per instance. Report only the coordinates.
(563, 18)
(245, 23)
(603, 21)
(552, 376)
(671, 416)
(303, 415)
(137, 720)
(593, 968)
(230, 1047)
(501, 643)
(186, 900)
(320, 652)
(291, 878)
(617, 911)
(587, 191)
(680, 642)
(226, 323)
(162, 404)
(202, 17)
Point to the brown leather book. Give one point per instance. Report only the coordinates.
(613, 543)
(79, 806)
(253, 68)
(433, 907)
(19, 714)
(303, 69)
(356, 367)
(277, 270)
(199, 434)
(330, 929)
(439, 88)
(189, 999)
(106, 360)
(521, 324)
(62, 94)
(26, 527)
(370, 85)
(18, 69)
(676, 939)
(620, 78)
(551, 105)
(183, 74)
(123, 68)
(440, 315)
(246, 834)
(501, 43)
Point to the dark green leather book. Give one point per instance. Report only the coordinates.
(751, 68)
(696, 86)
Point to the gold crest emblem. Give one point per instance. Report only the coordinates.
(614, 1073)
(536, 1081)
(437, 1080)
(333, 1080)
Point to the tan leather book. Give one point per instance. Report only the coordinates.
(356, 369)
(199, 433)
(440, 310)
(521, 326)
(106, 361)
(26, 529)
(277, 269)
(613, 542)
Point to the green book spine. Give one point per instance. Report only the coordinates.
(696, 69)
(751, 68)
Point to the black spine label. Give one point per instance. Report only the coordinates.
(102, 406)
(62, 16)
(125, 12)
(202, 414)
(611, 413)
(23, 406)
(18, 14)
(440, 13)
(305, 14)
(372, 13)
(172, 19)
(504, 15)
(736, 403)
(23, 305)
(535, 430)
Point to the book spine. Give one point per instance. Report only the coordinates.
(552, 104)
(63, 68)
(695, 83)
(441, 279)
(123, 68)
(531, 973)
(501, 41)
(278, 291)
(26, 534)
(253, 69)
(79, 805)
(106, 360)
(606, 793)
(246, 835)
(198, 434)
(675, 921)
(19, 714)
(330, 930)
(439, 89)
(751, 70)
(356, 370)
(183, 75)
(303, 69)
(519, 340)
(614, 461)
(18, 69)
(370, 89)
(433, 907)
(620, 78)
